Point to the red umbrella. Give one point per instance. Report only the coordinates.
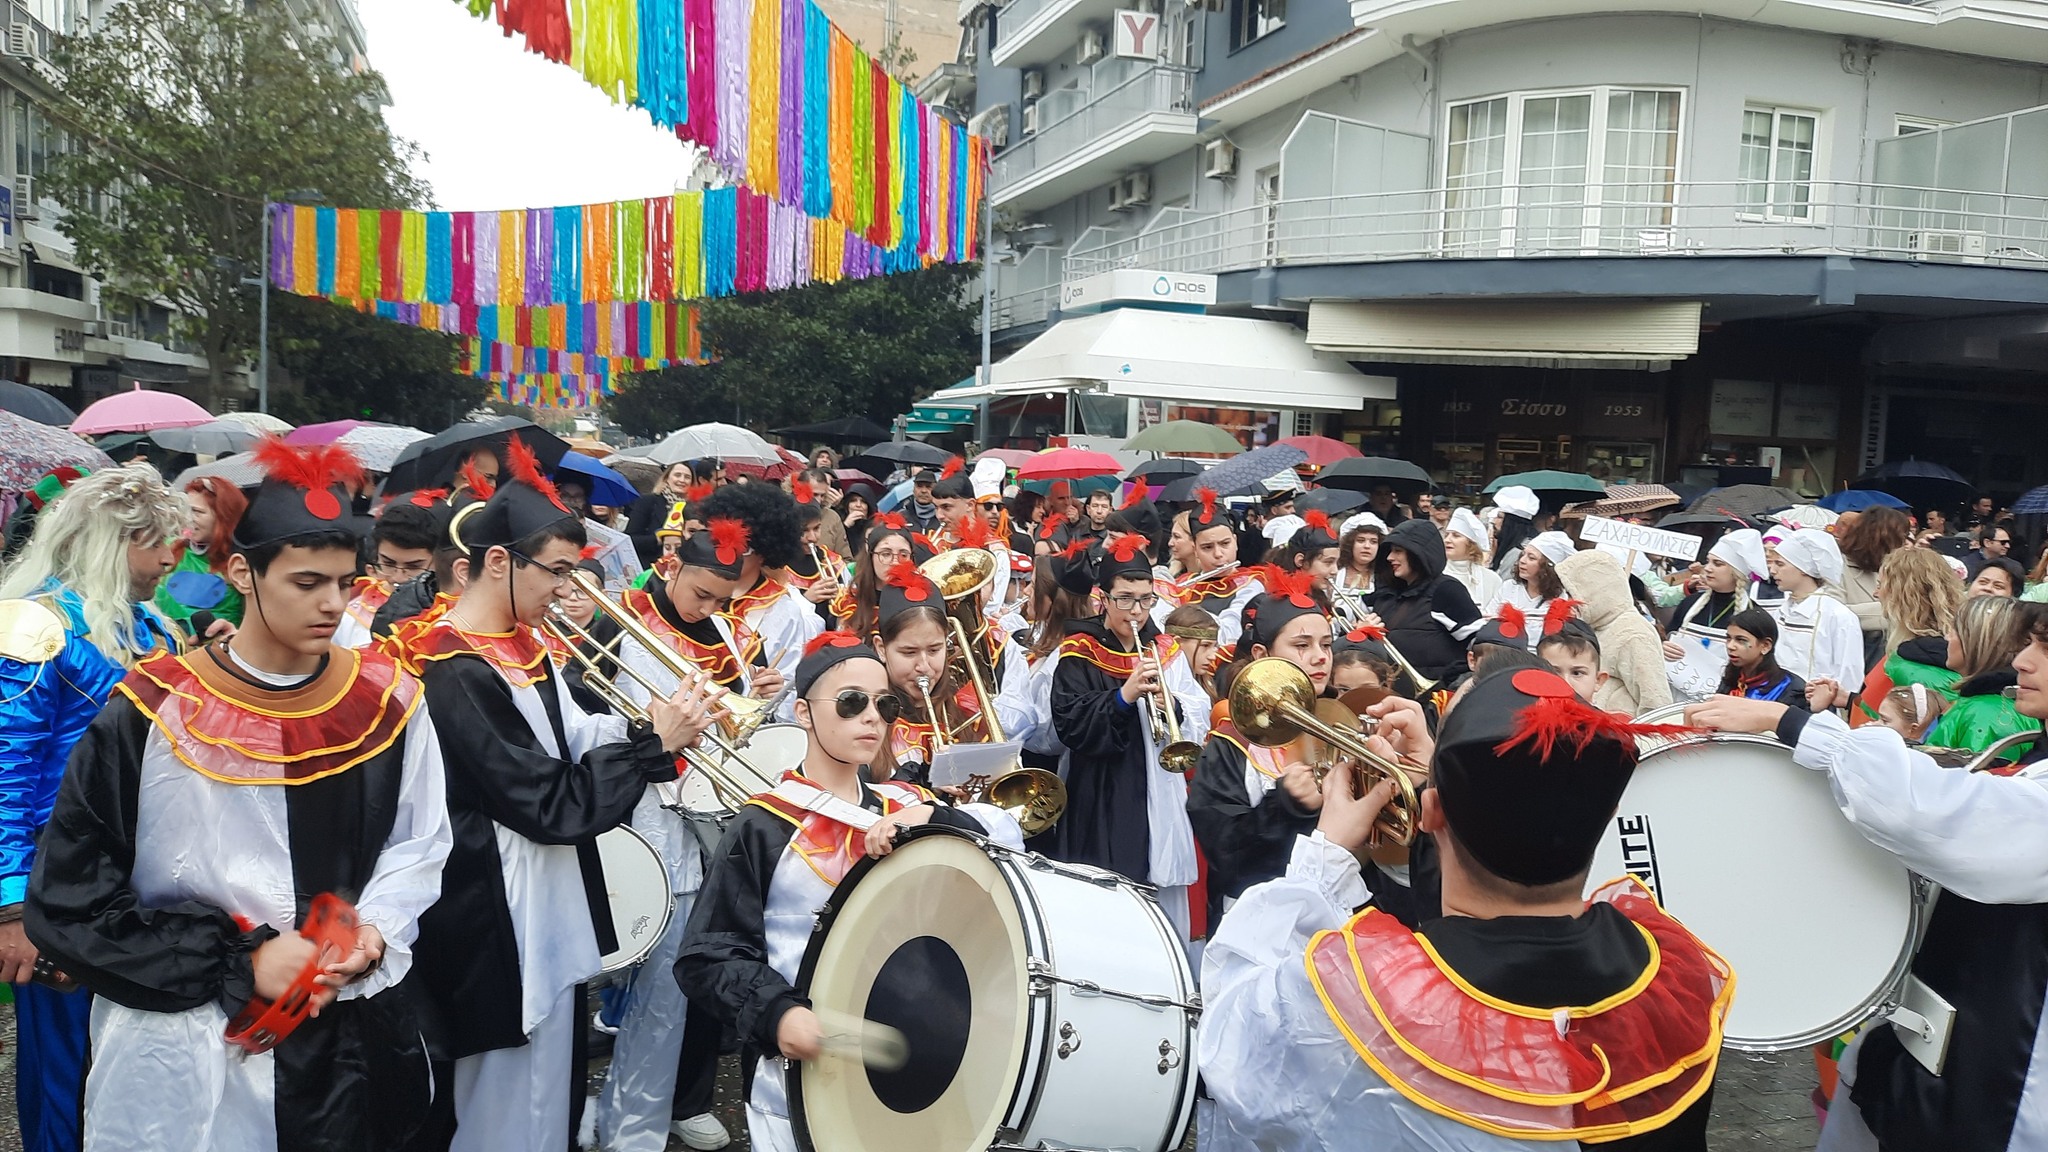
(1068, 464)
(139, 411)
(789, 465)
(1321, 449)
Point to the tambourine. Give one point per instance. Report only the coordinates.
(262, 1024)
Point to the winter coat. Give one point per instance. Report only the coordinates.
(1982, 716)
(1631, 653)
(1430, 619)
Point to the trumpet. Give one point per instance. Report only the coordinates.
(1177, 755)
(733, 777)
(1423, 684)
(1186, 582)
(1273, 703)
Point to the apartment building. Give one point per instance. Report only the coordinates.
(1641, 240)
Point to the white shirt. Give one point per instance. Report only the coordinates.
(1819, 636)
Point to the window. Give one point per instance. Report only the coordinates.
(1777, 163)
(1573, 171)
(1908, 125)
(1256, 18)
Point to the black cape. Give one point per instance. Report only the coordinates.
(1106, 822)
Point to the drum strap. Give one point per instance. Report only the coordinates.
(811, 798)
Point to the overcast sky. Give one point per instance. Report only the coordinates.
(503, 128)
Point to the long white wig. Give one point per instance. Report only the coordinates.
(81, 542)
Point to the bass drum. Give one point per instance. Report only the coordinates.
(637, 888)
(1749, 851)
(1044, 1005)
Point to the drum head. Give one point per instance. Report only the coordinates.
(776, 748)
(637, 888)
(1749, 851)
(928, 940)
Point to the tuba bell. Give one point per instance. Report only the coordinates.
(1273, 703)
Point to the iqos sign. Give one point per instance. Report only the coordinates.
(1139, 286)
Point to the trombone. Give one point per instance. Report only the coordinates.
(1273, 703)
(1178, 754)
(734, 778)
(1187, 582)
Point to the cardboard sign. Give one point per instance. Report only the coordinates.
(1640, 538)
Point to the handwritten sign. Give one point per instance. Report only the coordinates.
(1640, 538)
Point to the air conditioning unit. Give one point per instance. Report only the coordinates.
(1034, 83)
(1219, 159)
(1132, 191)
(21, 41)
(992, 125)
(25, 198)
(1092, 46)
(1030, 127)
(1946, 244)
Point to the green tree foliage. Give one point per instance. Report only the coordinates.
(859, 348)
(182, 118)
(355, 366)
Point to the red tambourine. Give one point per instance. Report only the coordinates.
(262, 1024)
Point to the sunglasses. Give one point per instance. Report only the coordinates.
(850, 703)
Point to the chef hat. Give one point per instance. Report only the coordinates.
(1362, 520)
(1555, 546)
(1281, 529)
(988, 478)
(1961, 569)
(1815, 553)
(1775, 533)
(1517, 501)
(1742, 550)
(1465, 524)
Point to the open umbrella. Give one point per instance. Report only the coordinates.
(1011, 457)
(1239, 475)
(30, 450)
(323, 433)
(1626, 500)
(845, 430)
(213, 438)
(1549, 480)
(900, 454)
(787, 463)
(606, 486)
(1702, 519)
(260, 421)
(713, 441)
(1164, 469)
(378, 446)
(2033, 502)
(1079, 487)
(1921, 483)
(1745, 500)
(241, 470)
(431, 463)
(140, 410)
(1331, 502)
(1321, 450)
(590, 446)
(852, 478)
(1365, 473)
(1859, 499)
(35, 404)
(1804, 516)
(639, 471)
(1068, 464)
(1191, 436)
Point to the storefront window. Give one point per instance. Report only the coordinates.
(1253, 428)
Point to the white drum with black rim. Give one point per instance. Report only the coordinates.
(1750, 852)
(1045, 1006)
(637, 889)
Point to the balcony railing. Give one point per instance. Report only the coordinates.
(1027, 306)
(1161, 88)
(1018, 13)
(1663, 220)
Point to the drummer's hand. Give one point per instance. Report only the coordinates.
(1673, 650)
(1299, 781)
(1347, 820)
(767, 683)
(1404, 727)
(882, 837)
(1142, 680)
(369, 952)
(1736, 714)
(798, 1034)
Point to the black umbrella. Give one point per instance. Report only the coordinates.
(1165, 468)
(883, 459)
(431, 463)
(1365, 473)
(1331, 502)
(1921, 483)
(1702, 519)
(34, 404)
(845, 430)
(1746, 500)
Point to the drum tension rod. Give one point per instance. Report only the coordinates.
(1098, 878)
(1043, 976)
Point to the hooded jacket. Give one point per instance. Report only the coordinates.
(1631, 653)
(1430, 619)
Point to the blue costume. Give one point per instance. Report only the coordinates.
(44, 710)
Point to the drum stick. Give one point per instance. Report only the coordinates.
(850, 1037)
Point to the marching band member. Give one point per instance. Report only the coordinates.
(415, 605)
(1124, 812)
(1525, 1016)
(217, 795)
(1424, 613)
(1312, 549)
(784, 854)
(1697, 650)
(1217, 587)
(916, 646)
(1981, 836)
(634, 1108)
(1465, 544)
(1819, 637)
(1247, 804)
(1060, 587)
(94, 559)
(816, 571)
(889, 542)
(778, 614)
(532, 781)
(401, 550)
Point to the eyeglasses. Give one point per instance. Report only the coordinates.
(404, 568)
(1130, 603)
(850, 703)
(560, 575)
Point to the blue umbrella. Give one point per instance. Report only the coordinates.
(606, 486)
(894, 496)
(2033, 502)
(1858, 499)
(1239, 475)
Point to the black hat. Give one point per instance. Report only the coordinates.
(1367, 639)
(433, 502)
(1122, 554)
(1529, 774)
(721, 547)
(523, 504)
(1314, 535)
(907, 588)
(1288, 597)
(1070, 567)
(1513, 629)
(1210, 513)
(824, 652)
(1140, 512)
(954, 483)
(305, 489)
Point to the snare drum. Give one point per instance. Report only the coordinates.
(1750, 852)
(637, 888)
(1045, 1005)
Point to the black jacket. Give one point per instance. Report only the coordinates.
(1410, 611)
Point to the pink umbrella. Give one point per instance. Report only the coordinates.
(326, 433)
(1321, 449)
(1011, 457)
(139, 411)
(1068, 464)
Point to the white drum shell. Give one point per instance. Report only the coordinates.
(637, 888)
(1751, 853)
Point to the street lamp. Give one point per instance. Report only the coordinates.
(303, 195)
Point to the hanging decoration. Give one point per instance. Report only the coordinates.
(784, 102)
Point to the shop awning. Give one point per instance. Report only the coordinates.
(50, 257)
(1507, 331)
(1185, 358)
(939, 413)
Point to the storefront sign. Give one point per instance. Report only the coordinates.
(1174, 291)
(1638, 415)
(1808, 412)
(1740, 408)
(1640, 538)
(1511, 414)
(1137, 34)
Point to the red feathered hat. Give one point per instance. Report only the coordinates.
(824, 652)
(306, 489)
(1211, 513)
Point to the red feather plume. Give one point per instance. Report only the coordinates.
(972, 530)
(1552, 721)
(916, 587)
(921, 540)
(1513, 621)
(1076, 548)
(1318, 519)
(525, 468)
(1208, 498)
(888, 520)
(590, 551)
(1139, 491)
(311, 467)
(953, 466)
(481, 485)
(425, 497)
(800, 490)
(728, 539)
(1366, 632)
(1554, 617)
(1052, 524)
(1125, 546)
(697, 493)
(824, 640)
(1293, 586)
